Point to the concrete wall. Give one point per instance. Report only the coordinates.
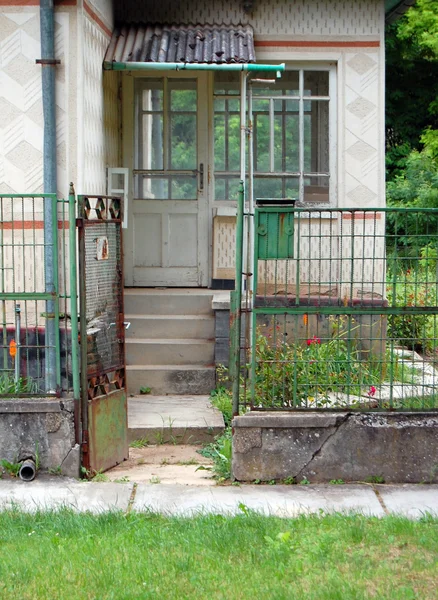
(43, 427)
(398, 447)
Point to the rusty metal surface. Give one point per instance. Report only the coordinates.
(219, 44)
(104, 411)
(108, 433)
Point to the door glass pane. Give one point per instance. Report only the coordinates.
(150, 130)
(170, 187)
(151, 149)
(183, 153)
(182, 127)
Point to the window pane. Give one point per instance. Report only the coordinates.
(292, 150)
(183, 154)
(316, 83)
(316, 138)
(292, 188)
(261, 143)
(226, 188)
(316, 189)
(268, 188)
(219, 142)
(150, 154)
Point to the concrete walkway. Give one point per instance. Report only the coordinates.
(287, 501)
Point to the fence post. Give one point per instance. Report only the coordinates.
(73, 292)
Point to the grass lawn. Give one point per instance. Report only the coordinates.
(62, 555)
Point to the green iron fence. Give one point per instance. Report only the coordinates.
(341, 312)
(28, 306)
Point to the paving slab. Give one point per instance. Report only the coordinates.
(52, 494)
(180, 419)
(279, 500)
(410, 500)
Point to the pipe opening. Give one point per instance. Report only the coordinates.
(27, 470)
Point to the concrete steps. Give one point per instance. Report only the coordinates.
(170, 343)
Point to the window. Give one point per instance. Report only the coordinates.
(166, 144)
(291, 141)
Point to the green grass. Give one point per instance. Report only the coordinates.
(113, 556)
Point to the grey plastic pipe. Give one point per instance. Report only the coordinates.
(27, 470)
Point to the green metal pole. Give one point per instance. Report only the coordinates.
(236, 305)
(73, 292)
(55, 303)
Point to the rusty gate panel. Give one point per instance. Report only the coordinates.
(102, 333)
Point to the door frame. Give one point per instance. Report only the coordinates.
(128, 156)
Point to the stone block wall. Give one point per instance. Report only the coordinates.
(42, 428)
(321, 446)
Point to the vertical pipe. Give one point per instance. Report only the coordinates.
(243, 165)
(50, 180)
(17, 341)
(236, 306)
(73, 292)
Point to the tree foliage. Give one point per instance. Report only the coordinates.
(412, 85)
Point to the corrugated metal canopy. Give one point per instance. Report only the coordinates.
(215, 44)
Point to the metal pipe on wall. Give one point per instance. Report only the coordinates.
(48, 73)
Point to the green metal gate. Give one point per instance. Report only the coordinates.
(340, 312)
(102, 333)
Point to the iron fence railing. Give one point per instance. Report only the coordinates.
(31, 361)
(341, 312)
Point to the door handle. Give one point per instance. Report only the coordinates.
(201, 176)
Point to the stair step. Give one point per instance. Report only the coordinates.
(165, 302)
(170, 326)
(169, 352)
(171, 379)
(178, 419)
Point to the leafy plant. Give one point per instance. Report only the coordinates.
(140, 443)
(99, 477)
(145, 390)
(24, 385)
(221, 399)
(304, 481)
(296, 374)
(337, 482)
(290, 481)
(11, 468)
(220, 452)
(375, 479)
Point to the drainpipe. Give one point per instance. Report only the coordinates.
(48, 64)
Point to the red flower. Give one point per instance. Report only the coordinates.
(372, 391)
(314, 340)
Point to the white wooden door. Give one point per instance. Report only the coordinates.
(166, 242)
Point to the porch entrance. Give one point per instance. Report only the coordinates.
(166, 241)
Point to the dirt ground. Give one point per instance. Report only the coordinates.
(164, 463)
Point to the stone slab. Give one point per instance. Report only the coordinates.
(51, 494)
(279, 500)
(410, 500)
(180, 419)
(287, 420)
(30, 405)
